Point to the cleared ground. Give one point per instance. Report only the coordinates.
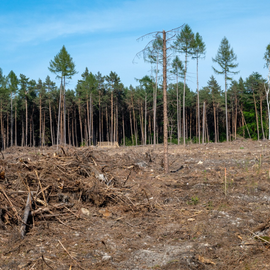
(95, 208)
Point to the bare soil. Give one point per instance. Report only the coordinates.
(95, 208)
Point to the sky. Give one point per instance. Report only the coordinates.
(102, 35)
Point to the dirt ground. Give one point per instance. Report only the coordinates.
(104, 208)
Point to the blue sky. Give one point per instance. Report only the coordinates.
(101, 35)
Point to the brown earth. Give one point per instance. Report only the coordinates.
(95, 208)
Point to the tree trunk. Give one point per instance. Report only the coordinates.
(131, 129)
(26, 121)
(268, 109)
(155, 101)
(99, 117)
(145, 118)
(203, 123)
(123, 124)
(134, 123)
(165, 116)
(80, 120)
(88, 119)
(59, 115)
(177, 111)
(184, 99)
(11, 121)
(261, 109)
(2, 127)
(198, 100)
(226, 109)
(215, 124)
(257, 121)
(111, 115)
(107, 125)
(235, 121)
(51, 130)
(16, 134)
(64, 117)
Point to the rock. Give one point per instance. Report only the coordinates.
(85, 211)
(106, 258)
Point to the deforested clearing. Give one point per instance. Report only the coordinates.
(114, 208)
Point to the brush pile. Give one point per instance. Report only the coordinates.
(54, 187)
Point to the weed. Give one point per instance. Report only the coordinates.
(194, 200)
(210, 205)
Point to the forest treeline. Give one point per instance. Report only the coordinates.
(101, 108)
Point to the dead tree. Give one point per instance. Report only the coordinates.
(165, 48)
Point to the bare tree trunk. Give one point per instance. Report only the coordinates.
(123, 124)
(116, 138)
(155, 101)
(134, 123)
(80, 120)
(131, 129)
(92, 119)
(2, 127)
(102, 125)
(99, 117)
(43, 134)
(111, 116)
(59, 115)
(7, 130)
(261, 109)
(107, 125)
(51, 129)
(16, 134)
(68, 128)
(22, 141)
(26, 121)
(267, 101)
(64, 118)
(177, 111)
(165, 116)
(226, 108)
(203, 124)
(76, 131)
(257, 122)
(88, 119)
(184, 99)
(198, 100)
(40, 120)
(145, 118)
(11, 121)
(190, 124)
(215, 124)
(235, 123)
(72, 129)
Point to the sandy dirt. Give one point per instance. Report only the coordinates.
(104, 208)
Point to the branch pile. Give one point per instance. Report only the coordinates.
(54, 186)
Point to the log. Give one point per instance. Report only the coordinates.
(27, 212)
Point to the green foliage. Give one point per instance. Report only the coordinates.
(225, 58)
(198, 47)
(62, 64)
(267, 55)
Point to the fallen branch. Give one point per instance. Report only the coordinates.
(27, 211)
(43, 194)
(74, 259)
(12, 206)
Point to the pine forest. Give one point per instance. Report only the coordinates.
(101, 108)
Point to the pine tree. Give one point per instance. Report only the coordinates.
(267, 64)
(185, 44)
(225, 58)
(13, 87)
(199, 52)
(64, 67)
